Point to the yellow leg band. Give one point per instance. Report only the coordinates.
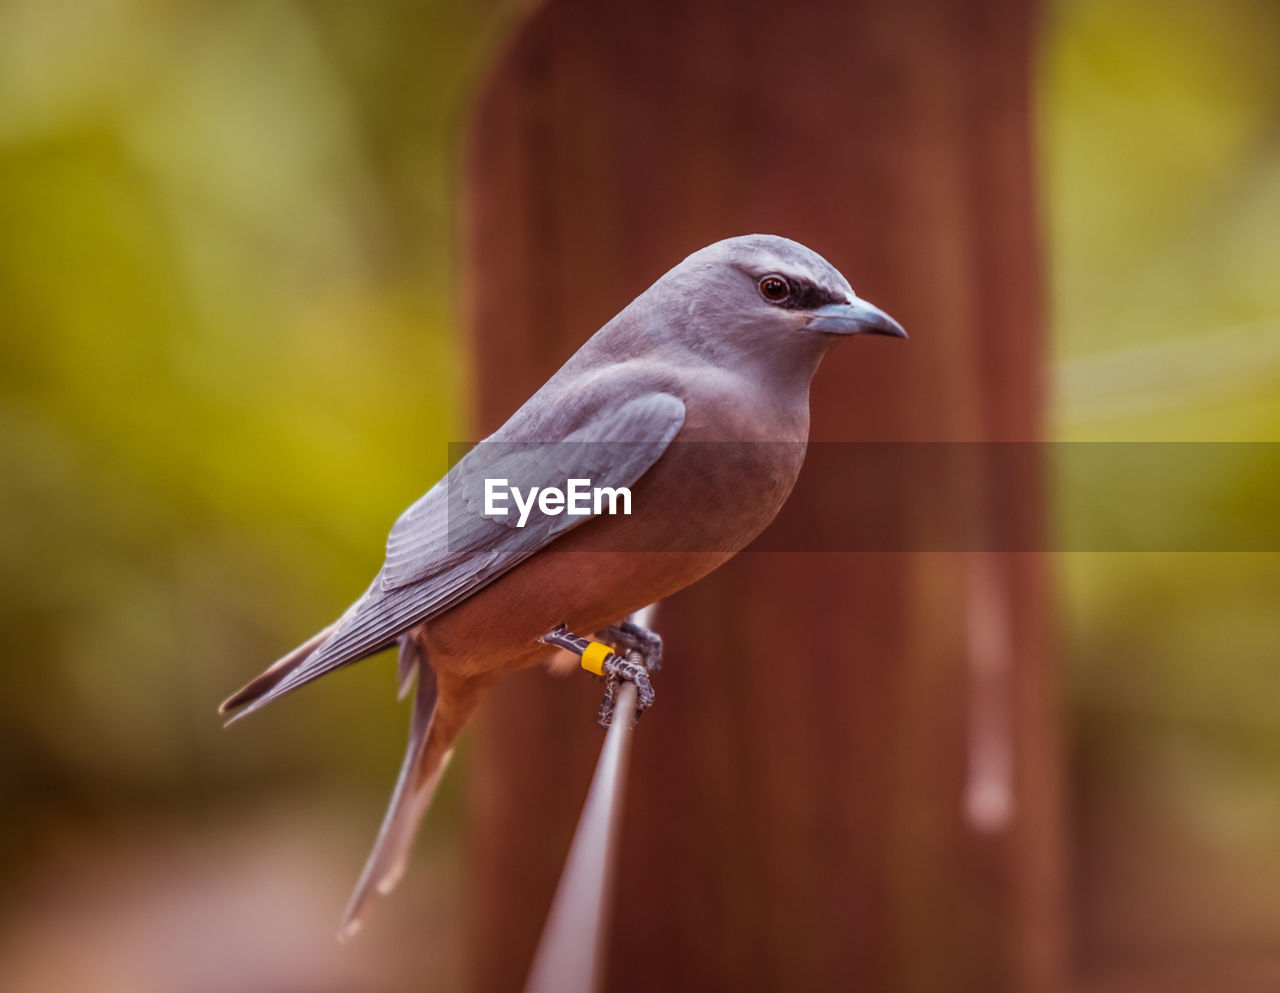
(593, 657)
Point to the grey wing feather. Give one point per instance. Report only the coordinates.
(444, 548)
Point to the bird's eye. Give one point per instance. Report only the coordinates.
(775, 289)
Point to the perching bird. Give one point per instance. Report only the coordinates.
(722, 348)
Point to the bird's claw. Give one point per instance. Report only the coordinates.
(632, 637)
(629, 667)
(627, 661)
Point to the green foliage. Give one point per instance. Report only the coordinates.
(229, 358)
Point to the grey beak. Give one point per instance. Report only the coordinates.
(855, 317)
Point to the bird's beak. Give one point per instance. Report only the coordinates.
(854, 317)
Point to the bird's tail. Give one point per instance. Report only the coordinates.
(441, 708)
(260, 686)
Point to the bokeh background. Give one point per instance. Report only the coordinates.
(229, 356)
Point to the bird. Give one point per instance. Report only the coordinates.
(695, 398)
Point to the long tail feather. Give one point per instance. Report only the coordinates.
(439, 715)
(409, 661)
(403, 813)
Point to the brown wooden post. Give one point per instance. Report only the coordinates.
(795, 819)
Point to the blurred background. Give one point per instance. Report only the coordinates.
(229, 357)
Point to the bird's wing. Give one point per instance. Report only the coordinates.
(444, 548)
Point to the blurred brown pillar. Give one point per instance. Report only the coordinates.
(795, 819)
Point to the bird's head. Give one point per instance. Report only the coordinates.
(766, 298)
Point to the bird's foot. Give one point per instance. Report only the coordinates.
(612, 666)
(632, 637)
(631, 668)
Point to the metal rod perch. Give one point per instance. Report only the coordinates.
(570, 955)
